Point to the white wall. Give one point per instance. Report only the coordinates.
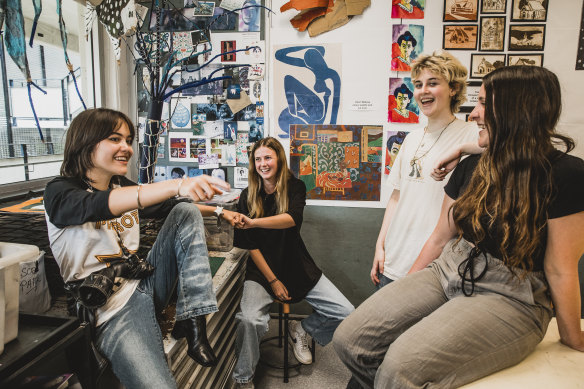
(366, 41)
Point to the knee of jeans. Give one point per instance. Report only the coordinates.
(252, 319)
(188, 210)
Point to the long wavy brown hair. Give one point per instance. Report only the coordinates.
(255, 182)
(509, 193)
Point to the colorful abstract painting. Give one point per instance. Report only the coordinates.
(394, 141)
(338, 162)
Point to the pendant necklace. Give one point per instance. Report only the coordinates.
(416, 162)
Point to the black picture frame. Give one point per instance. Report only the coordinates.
(460, 32)
(478, 70)
(454, 11)
(538, 57)
(523, 37)
(529, 14)
(493, 7)
(492, 37)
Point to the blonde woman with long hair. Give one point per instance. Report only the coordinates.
(280, 267)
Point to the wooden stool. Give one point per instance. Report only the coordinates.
(283, 337)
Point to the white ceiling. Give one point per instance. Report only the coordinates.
(71, 10)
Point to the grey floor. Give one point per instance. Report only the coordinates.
(326, 372)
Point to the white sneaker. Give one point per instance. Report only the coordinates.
(246, 385)
(299, 341)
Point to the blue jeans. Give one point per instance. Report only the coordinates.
(330, 308)
(131, 340)
(383, 280)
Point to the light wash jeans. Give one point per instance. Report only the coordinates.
(131, 340)
(330, 308)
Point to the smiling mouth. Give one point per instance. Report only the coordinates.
(122, 159)
(427, 100)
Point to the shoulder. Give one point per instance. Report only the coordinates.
(568, 172)
(61, 183)
(295, 184)
(568, 163)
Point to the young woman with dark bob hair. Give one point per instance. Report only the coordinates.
(479, 297)
(93, 215)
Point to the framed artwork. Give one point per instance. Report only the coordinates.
(529, 11)
(407, 44)
(526, 37)
(472, 96)
(493, 6)
(461, 10)
(401, 106)
(460, 37)
(492, 36)
(483, 64)
(407, 9)
(525, 59)
(394, 141)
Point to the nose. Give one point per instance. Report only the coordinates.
(474, 114)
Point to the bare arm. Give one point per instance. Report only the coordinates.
(379, 258)
(278, 287)
(443, 232)
(452, 157)
(197, 188)
(277, 222)
(565, 246)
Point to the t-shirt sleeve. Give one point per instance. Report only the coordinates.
(568, 198)
(460, 177)
(67, 203)
(296, 201)
(244, 239)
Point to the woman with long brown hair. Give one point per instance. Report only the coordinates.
(281, 267)
(507, 245)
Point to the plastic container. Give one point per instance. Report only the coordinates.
(11, 254)
(219, 237)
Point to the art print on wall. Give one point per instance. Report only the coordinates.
(407, 44)
(460, 37)
(249, 18)
(526, 37)
(180, 113)
(525, 59)
(529, 10)
(483, 64)
(472, 96)
(307, 85)
(401, 106)
(334, 161)
(493, 6)
(394, 141)
(408, 9)
(492, 33)
(203, 8)
(460, 10)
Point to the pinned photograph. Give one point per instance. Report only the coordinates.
(460, 37)
(223, 20)
(402, 108)
(180, 113)
(408, 43)
(525, 59)
(200, 36)
(526, 37)
(493, 6)
(492, 33)
(529, 10)
(226, 48)
(408, 9)
(483, 64)
(460, 10)
(205, 8)
(249, 16)
(174, 172)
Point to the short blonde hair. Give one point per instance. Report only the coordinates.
(446, 65)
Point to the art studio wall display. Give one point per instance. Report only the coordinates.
(408, 9)
(493, 7)
(483, 64)
(300, 72)
(525, 59)
(460, 10)
(526, 37)
(401, 105)
(472, 96)
(460, 37)
(529, 11)
(407, 44)
(492, 36)
(394, 141)
(337, 162)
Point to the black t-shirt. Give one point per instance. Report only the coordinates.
(283, 249)
(567, 193)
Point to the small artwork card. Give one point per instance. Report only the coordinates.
(195, 172)
(234, 91)
(249, 16)
(460, 37)
(255, 53)
(174, 172)
(200, 36)
(160, 149)
(526, 37)
(493, 7)
(240, 177)
(230, 131)
(407, 9)
(525, 59)
(180, 109)
(177, 147)
(492, 33)
(241, 148)
(460, 10)
(529, 11)
(227, 48)
(472, 96)
(208, 161)
(205, 8)
(402, 107)
(483, 64)
(228, 155)
(231, 5)
(408, 43)
(394, 141)
(196, 147)
(223, 20)
(213, 129)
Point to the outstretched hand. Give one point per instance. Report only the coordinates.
(202, 188)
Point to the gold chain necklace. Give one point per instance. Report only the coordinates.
(416, 162)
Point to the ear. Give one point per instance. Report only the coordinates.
(453, 90)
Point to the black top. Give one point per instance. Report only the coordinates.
(283, 249)
(567, 195)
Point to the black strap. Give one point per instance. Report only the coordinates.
(466, 270)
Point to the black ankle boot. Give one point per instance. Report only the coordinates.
(195, 330)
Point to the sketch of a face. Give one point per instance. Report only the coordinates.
(406, 49)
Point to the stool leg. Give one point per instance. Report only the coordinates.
(280, 325)
(313, 351)
(286, 334)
